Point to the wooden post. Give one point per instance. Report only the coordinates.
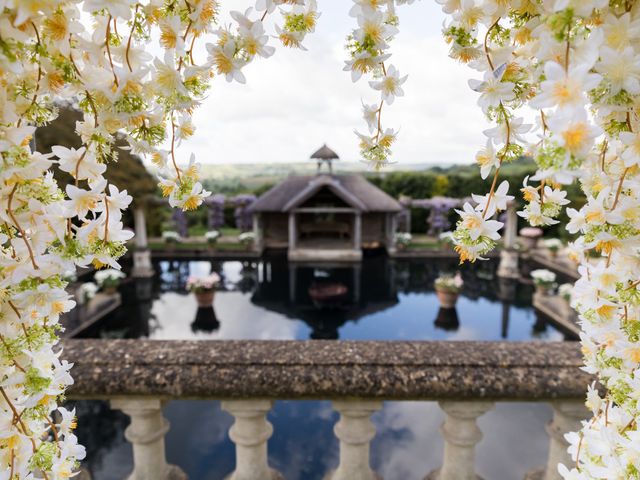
(357, 231)
(292, 231)
(258, 231)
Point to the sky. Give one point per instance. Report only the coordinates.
(295, 101)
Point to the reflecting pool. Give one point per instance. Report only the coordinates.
(379, 299)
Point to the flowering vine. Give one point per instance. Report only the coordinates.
(577, 64)
(48, 52)
(368, 47)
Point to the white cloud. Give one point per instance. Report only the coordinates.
(296, 100)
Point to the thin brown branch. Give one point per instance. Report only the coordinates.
(16, 224)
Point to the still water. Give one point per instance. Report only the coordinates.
(270, 299)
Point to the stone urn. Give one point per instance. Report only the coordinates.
(204, 298)
(447, 298)
(529, 237)
(111, 290)
(567, 311)
(543, 289)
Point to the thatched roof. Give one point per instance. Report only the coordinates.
(354, 190)
(325, 153)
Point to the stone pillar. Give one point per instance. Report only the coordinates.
(140, 226)
(357, 231)
(292, 231)
(142, 266)
(461, 434)
(510, 232)
(146, 433)
(508, 267)
(567, 416)
(355, 431)
(250, 433)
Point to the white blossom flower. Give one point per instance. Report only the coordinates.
(390, 85)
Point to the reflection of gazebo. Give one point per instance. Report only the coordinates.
(283, 287)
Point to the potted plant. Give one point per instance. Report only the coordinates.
(445, 238)
(212, 237)
(448, 289)
(86, 292)
(203, 288)
(553, 245)
(247, 239)
(544, 281)
(109, 280)
(403, 240)
(170, 237)
(565, 290)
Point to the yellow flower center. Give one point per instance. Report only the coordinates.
(634, 354)
(56, 26)
(594, 216)
(192, 203)
(575, 136)
(562, 93)
(168, 37)
(472, 222)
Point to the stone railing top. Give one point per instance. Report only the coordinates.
(427, 370)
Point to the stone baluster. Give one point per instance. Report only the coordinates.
(146, 433)
(567, 416)
(355, 432)
(461, 435)
(250, 433)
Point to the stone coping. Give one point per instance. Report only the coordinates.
(319, 369)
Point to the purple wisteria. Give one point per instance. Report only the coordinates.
(215, 219)
(242, 215)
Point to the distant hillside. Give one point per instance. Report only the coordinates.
(234, 178)
(244, 171)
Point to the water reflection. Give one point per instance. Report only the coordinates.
(303, 447)
(205, 321)
(378, 299)
(447, 319)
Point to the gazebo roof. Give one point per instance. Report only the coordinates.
(325, 153)
(355, 190)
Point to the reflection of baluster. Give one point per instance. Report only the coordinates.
(461, 435)
(146, 433)
(355, 432)
(250, 433)
(567, 416)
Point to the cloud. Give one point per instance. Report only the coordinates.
(296, 100)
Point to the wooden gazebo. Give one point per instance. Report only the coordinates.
(325, 217)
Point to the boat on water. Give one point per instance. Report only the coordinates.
(328, 295)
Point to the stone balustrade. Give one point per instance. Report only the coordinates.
(466, 378)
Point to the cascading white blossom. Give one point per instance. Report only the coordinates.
(368, 47)
(48, 52)
(577, 63)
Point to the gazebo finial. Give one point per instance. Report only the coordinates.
(325, 155)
